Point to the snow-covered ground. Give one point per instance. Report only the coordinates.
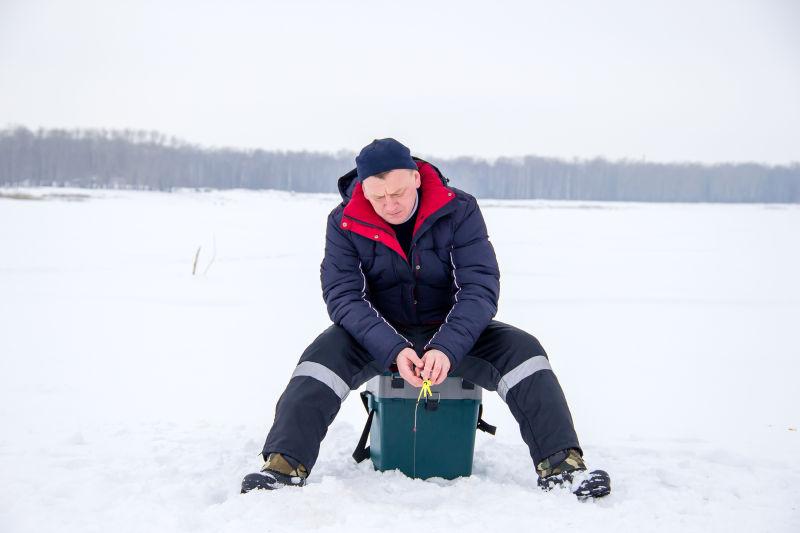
(134, 396)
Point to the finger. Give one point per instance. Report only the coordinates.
(408, 375)
(445, 369)
(439, 370)
(426, 372)
(407, 370)
(402, 367)
(435, 371)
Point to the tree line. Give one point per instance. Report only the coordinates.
(150, 160)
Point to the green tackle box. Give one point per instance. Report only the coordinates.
(443, 442)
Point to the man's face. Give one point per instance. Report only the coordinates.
(392, 196)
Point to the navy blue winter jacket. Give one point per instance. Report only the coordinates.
(451, 278)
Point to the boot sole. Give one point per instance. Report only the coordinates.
(596, 486)
(269, 481)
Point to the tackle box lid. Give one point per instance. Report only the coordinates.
(391, 385)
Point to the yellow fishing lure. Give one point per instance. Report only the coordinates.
(425, 390)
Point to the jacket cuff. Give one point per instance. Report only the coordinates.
(394, 353)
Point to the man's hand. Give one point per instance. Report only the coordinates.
(409, 366)
(437, 365)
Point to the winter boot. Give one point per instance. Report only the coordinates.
(566, 468)
(276, 473)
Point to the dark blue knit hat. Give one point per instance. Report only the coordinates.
(381, 155)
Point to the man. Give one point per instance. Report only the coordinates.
(410, 278)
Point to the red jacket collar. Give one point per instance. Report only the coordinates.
(359, 216)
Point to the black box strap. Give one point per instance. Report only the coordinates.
(362, 450)
(483, 425)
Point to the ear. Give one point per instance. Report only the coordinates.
(417, 179)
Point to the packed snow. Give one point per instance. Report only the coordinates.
(134, 396)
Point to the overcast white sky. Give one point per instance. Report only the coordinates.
(668, 81)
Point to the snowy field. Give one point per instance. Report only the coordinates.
(135, 396)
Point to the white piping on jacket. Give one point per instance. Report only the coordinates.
(455, 280)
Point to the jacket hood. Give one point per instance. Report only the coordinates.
(348, 182)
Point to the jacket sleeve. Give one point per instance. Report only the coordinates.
(346, 294)
(477, 280)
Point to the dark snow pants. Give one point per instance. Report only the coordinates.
(504, 359)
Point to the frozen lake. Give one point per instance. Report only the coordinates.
(134, 396)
